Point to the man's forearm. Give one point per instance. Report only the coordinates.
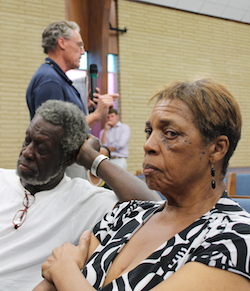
(126, 185)
(93, 118)
(104, 137)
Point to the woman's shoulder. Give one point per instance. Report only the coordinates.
(134, 207)
(226, 206)
(133, 212)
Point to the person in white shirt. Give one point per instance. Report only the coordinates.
(41, 207)
(115, 136)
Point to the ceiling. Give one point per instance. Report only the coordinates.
(238, 10)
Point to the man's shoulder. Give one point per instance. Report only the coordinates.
(123, 126)
(119, 123)
(45, 72)
(8, 177)
(7, 172)
(80, 185)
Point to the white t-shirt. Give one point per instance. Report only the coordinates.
(57, 216)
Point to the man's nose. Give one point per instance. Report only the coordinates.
(82, 50)
(28, 151)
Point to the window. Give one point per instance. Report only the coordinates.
(111, 68)
(112, 75)
(82, 71)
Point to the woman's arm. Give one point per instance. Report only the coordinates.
(44, 286)
(62, 270)
(196, 276)
(65, 273)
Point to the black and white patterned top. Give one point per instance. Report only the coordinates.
(220, 238)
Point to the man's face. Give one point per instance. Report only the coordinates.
(112, 119)
(74, 49)
(41, 160)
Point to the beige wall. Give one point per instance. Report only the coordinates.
(21, 27)
(162, 45)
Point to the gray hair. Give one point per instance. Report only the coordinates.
(54, 31)
(71, 118)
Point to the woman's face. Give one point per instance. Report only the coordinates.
(176, 158)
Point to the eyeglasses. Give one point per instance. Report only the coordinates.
(80, 44)
(21, 215)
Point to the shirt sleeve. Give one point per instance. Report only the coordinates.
(124, 137)
(228, 250)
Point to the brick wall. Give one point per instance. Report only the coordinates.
(162, 45)
(21, 27)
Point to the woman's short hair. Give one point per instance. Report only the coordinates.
(215, 110)
(71, 118)
(55, 30)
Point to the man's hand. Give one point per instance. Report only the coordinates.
(104, 103)
(88, 152)
(107, 125)
(91, 103)
(67, 255)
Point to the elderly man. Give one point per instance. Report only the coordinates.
(40, 206)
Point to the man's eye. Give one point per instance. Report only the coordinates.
(42, 150)
(26, 141)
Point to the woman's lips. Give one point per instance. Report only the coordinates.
(148, 169)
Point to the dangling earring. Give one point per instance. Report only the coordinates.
(213, 175)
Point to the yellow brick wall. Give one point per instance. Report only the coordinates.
(162, 45)
(21, 27)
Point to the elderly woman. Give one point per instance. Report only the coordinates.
(199, 239)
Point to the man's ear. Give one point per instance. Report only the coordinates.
(61, 42)
(71, 158)
(219, 148)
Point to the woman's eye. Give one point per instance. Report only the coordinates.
(170, 133)
(148, 132)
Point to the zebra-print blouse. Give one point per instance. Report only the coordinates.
(220, 238)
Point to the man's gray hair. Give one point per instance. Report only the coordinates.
(71, 118)
(54, 31)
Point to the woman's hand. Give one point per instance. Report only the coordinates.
(65, 256)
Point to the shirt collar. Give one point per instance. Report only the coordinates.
(118, 124)
(54, 65)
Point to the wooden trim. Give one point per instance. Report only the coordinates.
(241, 197)
(231, 184)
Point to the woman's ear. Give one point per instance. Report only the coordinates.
(219, 148)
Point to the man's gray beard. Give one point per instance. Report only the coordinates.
(34, 181)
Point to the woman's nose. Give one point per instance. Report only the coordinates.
(151, 145)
